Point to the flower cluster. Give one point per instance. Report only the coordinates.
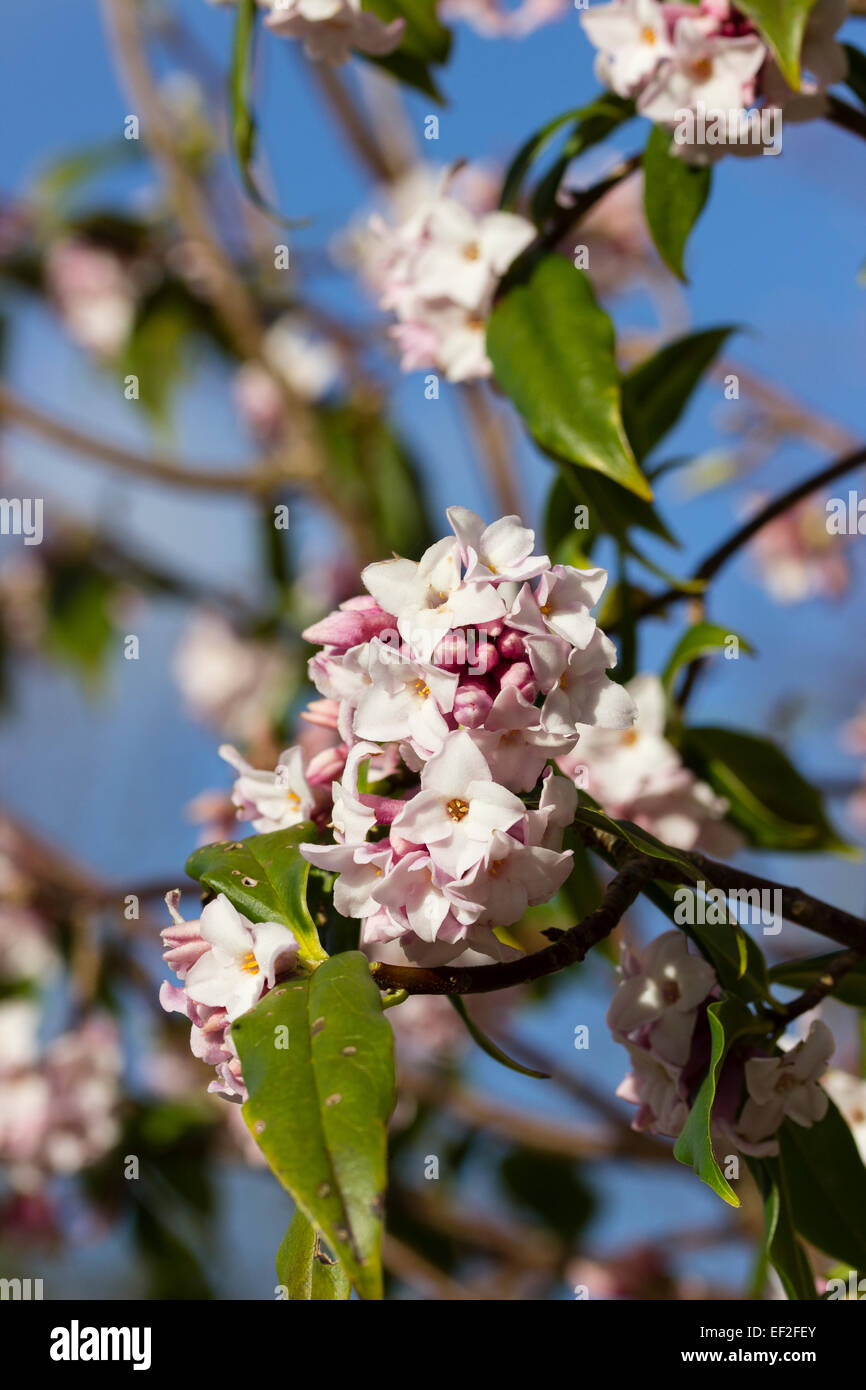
(438, 271)
(659, 1014)
(673, 58)
(450, 685)
(226, 964)
(797, 557)
(637, 775)
(331, 29)
(95, 294)
(58, 1105)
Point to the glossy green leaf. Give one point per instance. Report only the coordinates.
(265, 876)
(487, 1045)
(827, 1183)
(590, 124)
(802, 974)
(306, 1270)
(552, 349)
(243, 127)
(657, 391)
(674, 196)
(318, 1060)
(771, 803)
(728, 1019)
(633, 835)
(595, 122)
(782, 1248)
(782, 23)
(697, 641)
(375, 471)
(425, 43)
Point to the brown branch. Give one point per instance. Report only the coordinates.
(818, 992)
(258, 478)
(710, 566)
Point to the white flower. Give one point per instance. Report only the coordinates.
(461, 254)
(669, 985)
(271, 800)
(331, 29)
(637, 775)
(561, 604)
(632, 40)
(584, 694)
(787, 1086)
(458, 807)
(501, 551)
(654, 1087)
(716, 71)
(429, 598)
(405, 699)
(511, 877)
(243, 958)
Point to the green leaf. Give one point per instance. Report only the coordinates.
(243, 127)
(771, 803)
(695, 642)
(827, 1184)
(265, 876)
(782, 1247)
(639, 839)
(728, 1020)
(306, 1270)
(550, 1187)
(424, 36)
(595, 122)
(80, 614)
(591, 124)
(856, 78)
(802, 974)
(552, 349)
(657, 391)
(674, 196)
(487, 1045)
(782, 23)
(318, 1107)
(425, 41)
(374, 469)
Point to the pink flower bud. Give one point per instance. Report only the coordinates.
(324, 713)
(346, 626)
(472, 704)
(451, 651)
(520, 675)
(511, 645)
(327, 766)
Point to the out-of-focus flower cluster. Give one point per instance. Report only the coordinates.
(659, 1014)
(637, 775)
(438, 270)
(673, 58)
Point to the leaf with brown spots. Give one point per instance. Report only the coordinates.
(265, 877)
(319, 1108)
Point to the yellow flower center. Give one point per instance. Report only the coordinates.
(472, 251)
(422, 688)
(630, 736)
(648, 35)
(249, 964)
(702, 69)
(457, 808)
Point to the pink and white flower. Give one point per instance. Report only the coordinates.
(331, 29)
